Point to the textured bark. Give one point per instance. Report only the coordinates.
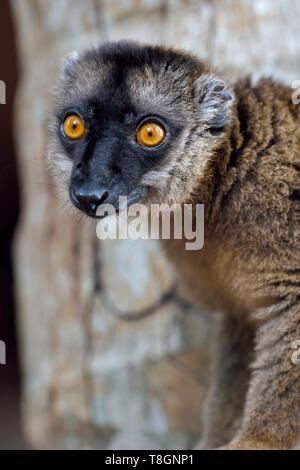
(111, 358)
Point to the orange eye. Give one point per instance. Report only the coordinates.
(74, 127)
(150, 134)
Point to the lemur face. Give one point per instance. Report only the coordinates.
(135, 121)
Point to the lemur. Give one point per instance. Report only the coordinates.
(159, 125)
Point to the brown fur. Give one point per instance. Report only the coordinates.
(251, 261)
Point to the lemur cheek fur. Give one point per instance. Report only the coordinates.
(235, 148)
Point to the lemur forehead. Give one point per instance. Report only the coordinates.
(143, 74)
(147, 87)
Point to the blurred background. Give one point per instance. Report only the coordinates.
(105, 347)
(10, 427)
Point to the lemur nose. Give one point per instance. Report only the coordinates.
(88, 199)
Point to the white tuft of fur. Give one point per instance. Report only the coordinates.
(215, 100)
(70, 59)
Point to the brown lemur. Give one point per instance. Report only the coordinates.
(159, 125)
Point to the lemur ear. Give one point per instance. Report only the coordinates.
(70, 59)
(214, 100)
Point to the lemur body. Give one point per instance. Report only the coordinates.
(252, 209)
(237, 150)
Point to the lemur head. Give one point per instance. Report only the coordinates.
(136, 121)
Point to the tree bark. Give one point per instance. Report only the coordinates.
(110, 357)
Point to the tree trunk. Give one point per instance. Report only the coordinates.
(111, 358)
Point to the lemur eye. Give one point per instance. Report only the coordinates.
(74, 127)
(150, 134)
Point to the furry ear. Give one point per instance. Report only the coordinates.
(70, 59)
(214, 100)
